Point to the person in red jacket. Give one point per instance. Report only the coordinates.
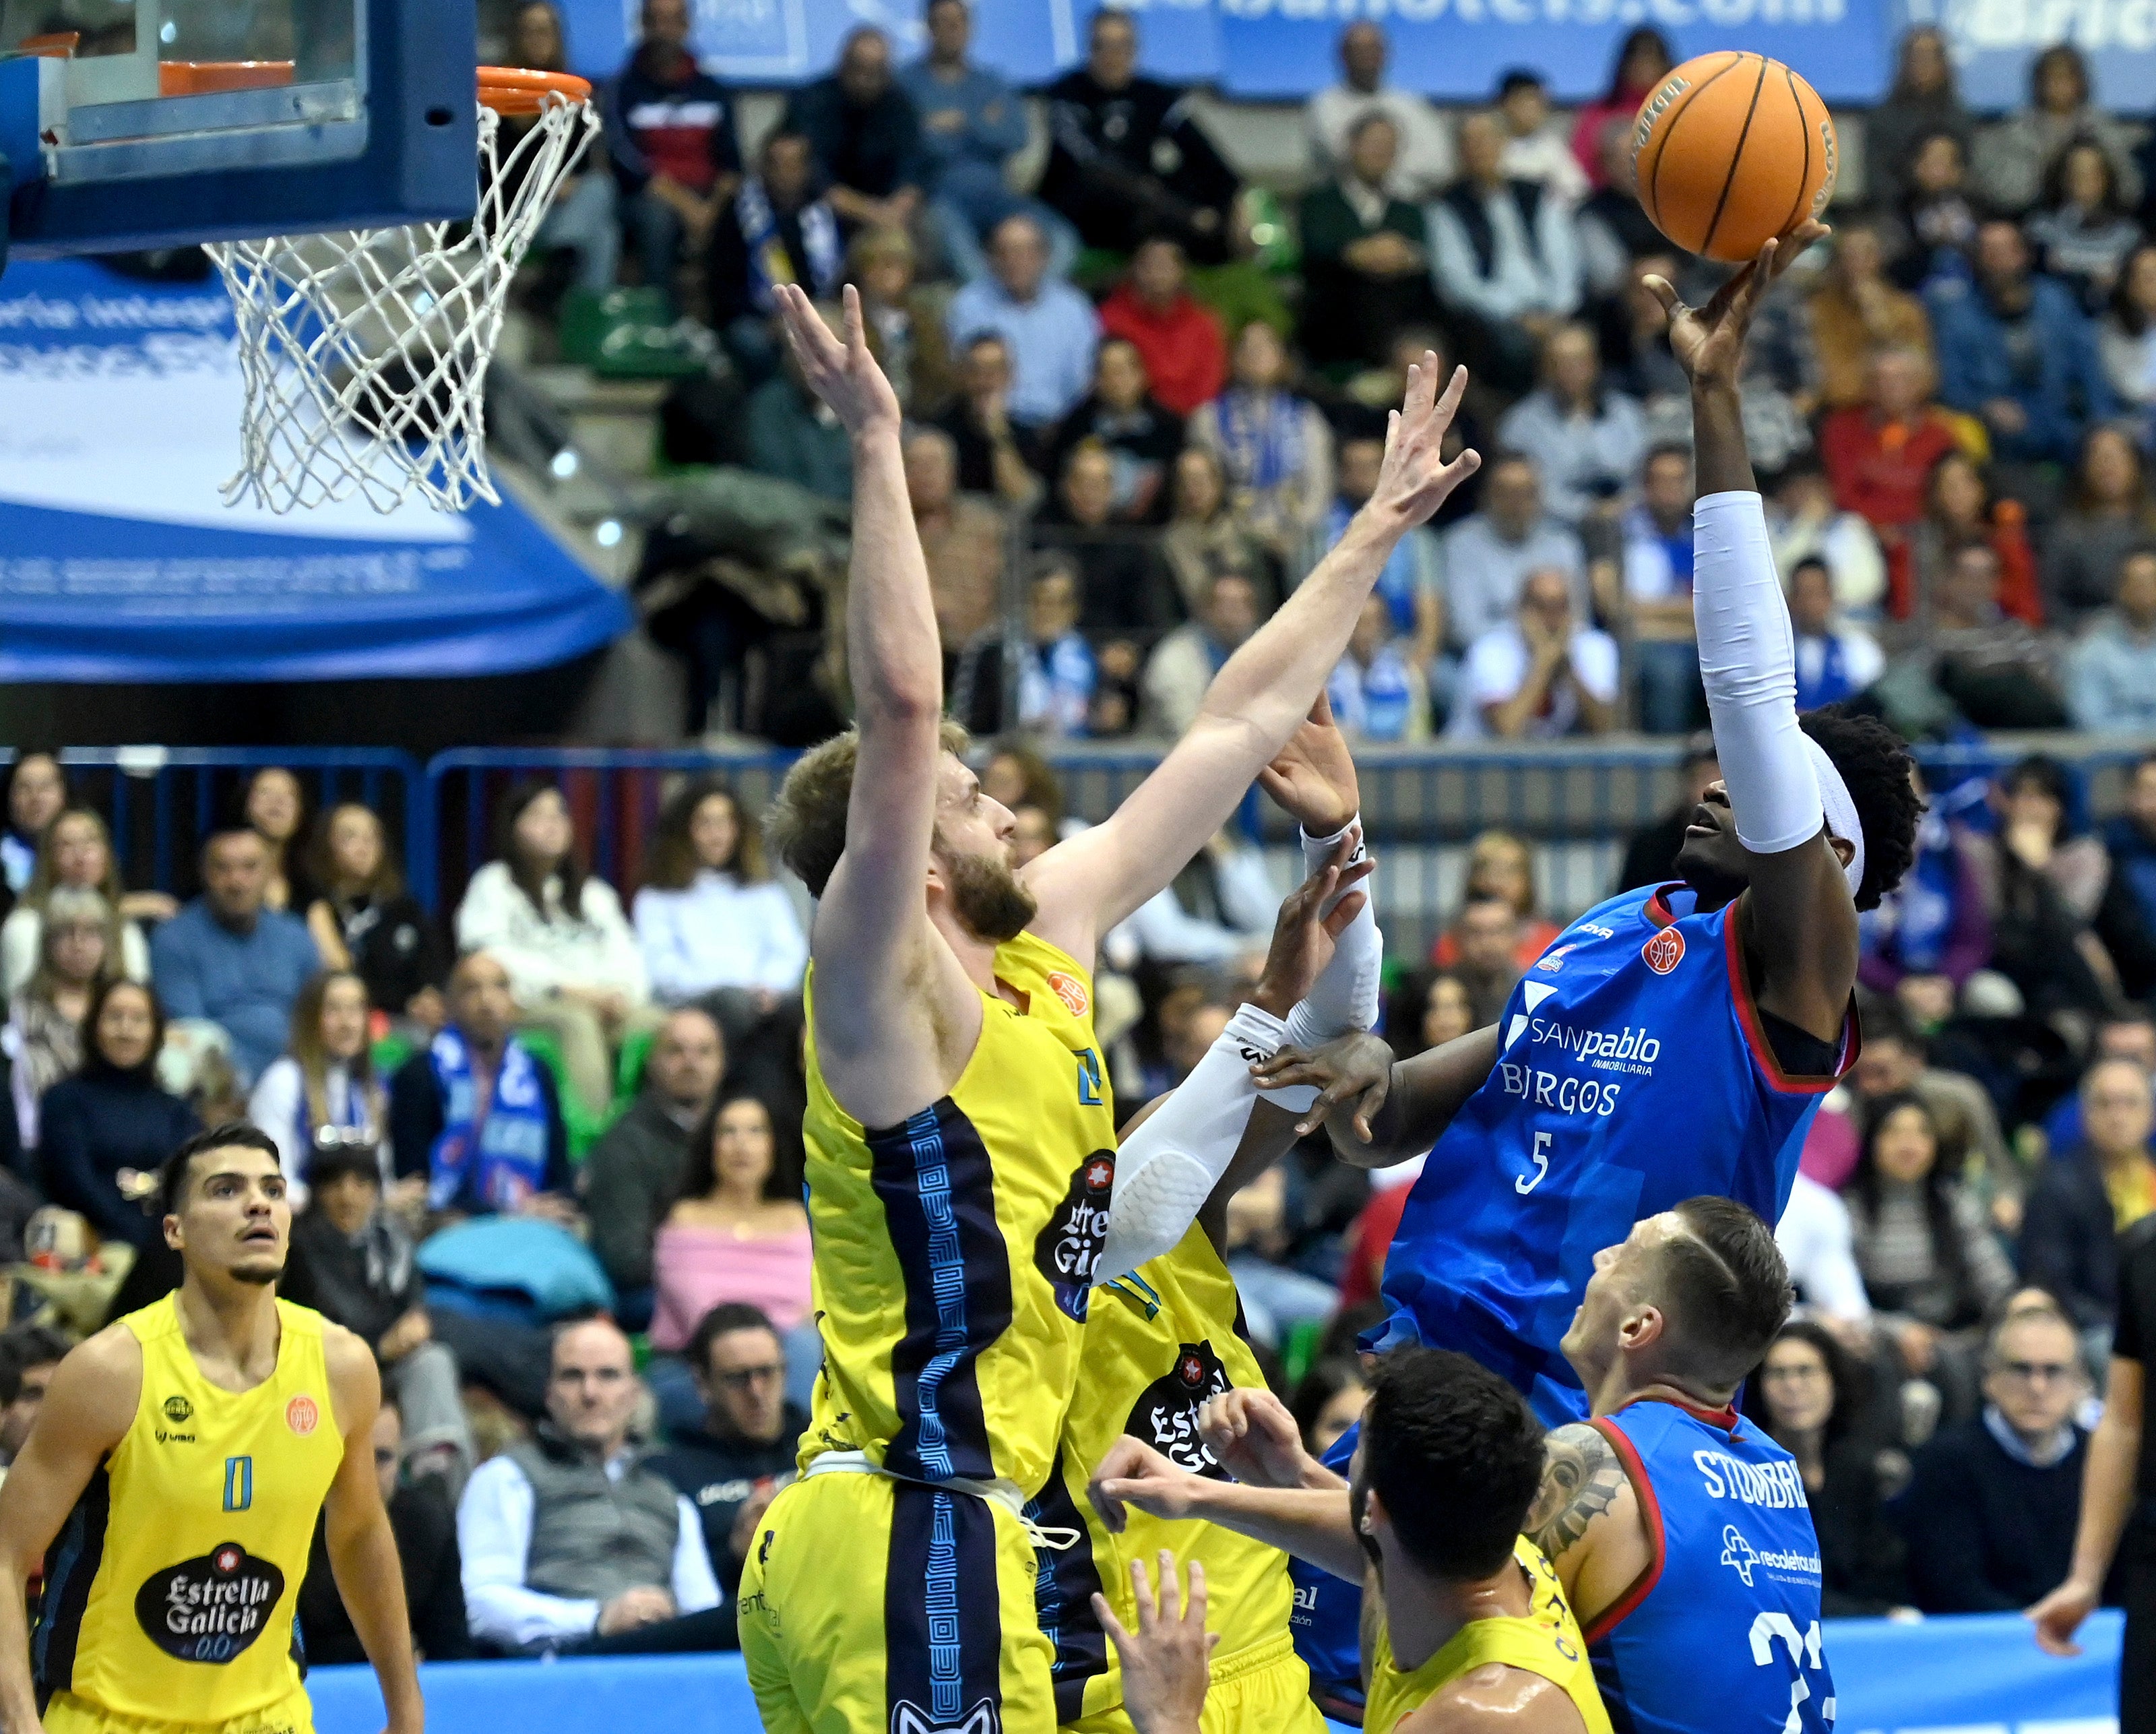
(1186, 355)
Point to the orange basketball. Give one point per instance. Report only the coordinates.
(1730, 150)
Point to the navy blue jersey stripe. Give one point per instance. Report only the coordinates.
(942, 1614)
(1063, 1597)
(71, 1569)
(937, 1186)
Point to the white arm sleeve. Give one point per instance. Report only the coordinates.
(1748, 663)
(1167, 1168)
(1345, 996)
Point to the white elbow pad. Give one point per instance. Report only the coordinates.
(1167, 1168)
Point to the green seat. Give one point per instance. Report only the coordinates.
(389, 1055)
(582, 1124)
(628, 1069)
(1300, 1348)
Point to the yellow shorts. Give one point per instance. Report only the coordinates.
(67, 1713)
(1264, 1687)
(870, 1606)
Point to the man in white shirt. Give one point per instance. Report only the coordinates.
(1487, 556)
(1816, 1240)
(1503, 250)
(570, 1542)
(1425, 162)
(1541, 675)
(1536, 149)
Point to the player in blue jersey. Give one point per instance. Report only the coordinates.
(1680, 1531)
(1672, 1042)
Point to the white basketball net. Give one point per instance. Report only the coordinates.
(364, 351)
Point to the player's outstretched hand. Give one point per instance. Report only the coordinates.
(1254, 1438)
(1354, 1069)
(1167, 1661)
(2060, 1615)
(1306, 930)
(1708, 341)
(1313, 778)
(844, 374)
(1134, 1474)
(1415, 478)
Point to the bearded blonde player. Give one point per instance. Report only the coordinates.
(961, 1155)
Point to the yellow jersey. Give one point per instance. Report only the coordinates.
(955, 1252)
(1157, 1344)
(171, 1593)
(1545, 1640)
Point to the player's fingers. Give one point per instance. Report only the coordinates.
(1275, 785)
(1105, 1497)
(1290, 1055)
(1459, 469)
(1664, 291)
(1170, 1588)
(1320, 713)
(1108, 1623)
(857, 340)
(1448, 405)
(1343, 911)
(1366, 1109)
(1141, 1589)
(1194, 1607)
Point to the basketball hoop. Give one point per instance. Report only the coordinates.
(364, 353)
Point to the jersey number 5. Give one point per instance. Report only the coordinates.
(1527, 1182)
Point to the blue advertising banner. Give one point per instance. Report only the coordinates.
(1453, 49)
(1981, 1675)
(119, 407)
(1994, 42)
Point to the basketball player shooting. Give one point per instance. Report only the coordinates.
(1674, 1041)
(180, 1461)
(962, 1161)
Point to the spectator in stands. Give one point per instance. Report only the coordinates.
(1501, 867)
(2016, 350)
(1411, 585)
(1934, 227)
(1543, 674)
(475, 1115)
(1934, 931)
(36, 794)
(2049, 884)
(559, 930)
(1991, 1511)
(792, 433)
(1643, 61)
(1651, 852)
(423, 1519)
(1893, 1063)
(35, 1353)
(2111, 673)
(1505, 252)
(1126, 590)
(105, 1132)
(1111, 132)
(572, 1536)
(2085, 1197)
(1274, 444)
(997, 455)
(358, 1268)
(2128, 1035)
(2083, 231)
(1179, 336)
(1993, 669)
(1059, 673)
(736, 1232)
(1657, 593)
(1328, 1400)
(1048, 327)
(972, 123)
(583, 224)
(1377, 691)
(1587, 441)
(1208, 536)
(276, 809)
(962, 539)
(1922, 103)
(1213, 912)
(321, 1094)
(1882, 454)
(364, 920)
(1808, 1395)
(226, 958)
(1633, 329)
(1959, 509)
(76, 855)
(1141, 434)
(1930, 1265)
(633, 1173)
(1487, 940)
(2014, 156)
(2127, 922)
(1856, 313)
(1803, 522)
(2109, 514)
(43, 1039)
(775, 228)
(670, 128)
(1487, 557)
(2127, 339)
(864, 133)
(1183, 664)
(1815, 1238)
(735, 1462)
(1614, 229)
(714, 927)
(1536, 148)
(1366, 253)
(1833, 662)
(1423, 161)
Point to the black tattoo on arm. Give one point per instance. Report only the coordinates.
(1581, 1480)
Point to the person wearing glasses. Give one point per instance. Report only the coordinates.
(743, 1454)
(1990, 1513)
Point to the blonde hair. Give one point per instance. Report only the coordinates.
(314, 1058)
(806, 826)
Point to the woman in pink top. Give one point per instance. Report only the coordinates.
(738, 1232)
(1643, 62)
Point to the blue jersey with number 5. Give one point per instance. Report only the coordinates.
(1722, 1628)
(1632, 1074)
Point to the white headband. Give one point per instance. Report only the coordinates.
(1842, 820)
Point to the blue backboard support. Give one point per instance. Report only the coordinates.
(395, 142)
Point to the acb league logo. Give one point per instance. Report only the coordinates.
(1664, 951)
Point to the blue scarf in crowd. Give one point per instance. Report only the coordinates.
(769, 263)
(496, 1162)
(1260, 437)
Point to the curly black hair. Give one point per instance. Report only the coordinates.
(1875, 762)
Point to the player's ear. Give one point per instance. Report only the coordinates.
(1844, 851)
(1643, 1325)
(173, 1237)
(1373, 1513)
